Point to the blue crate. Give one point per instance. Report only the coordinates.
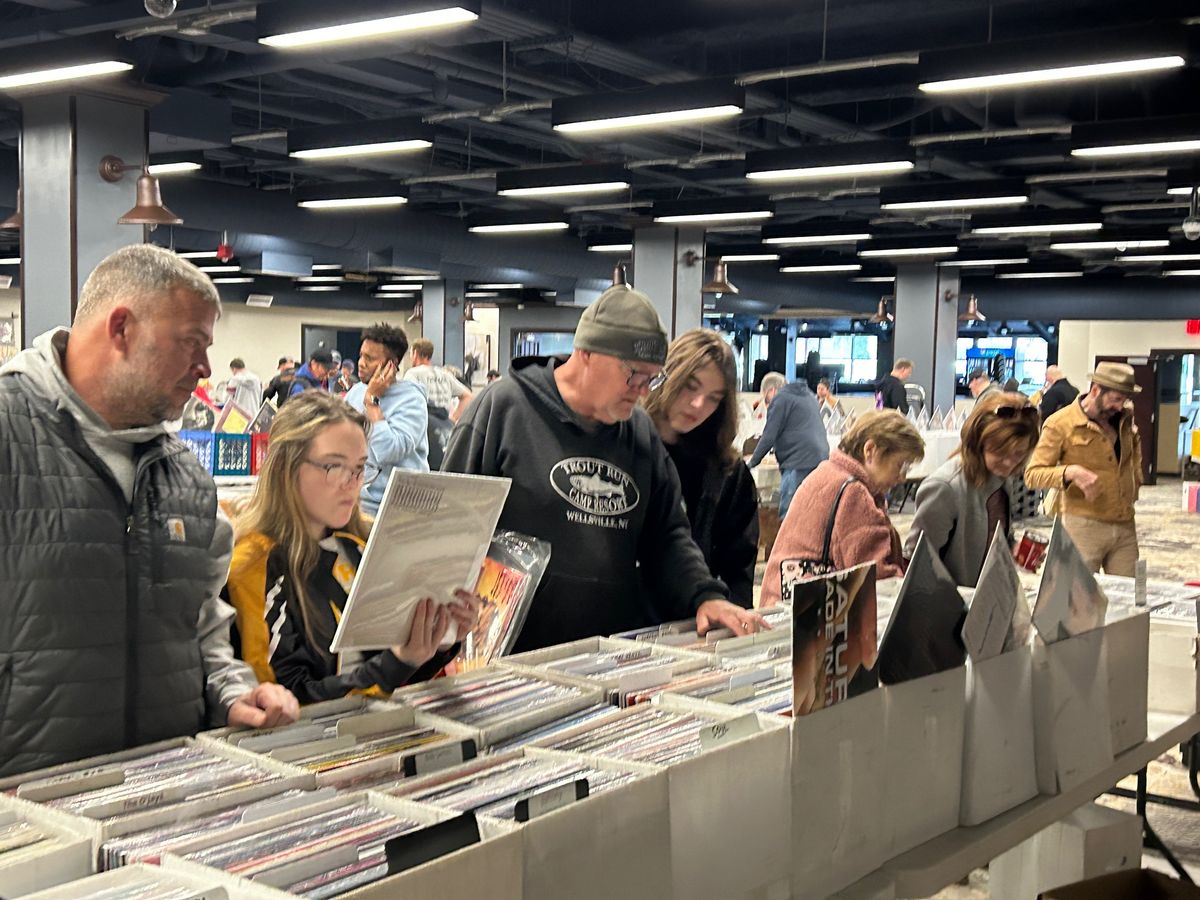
(231, 456)
(201, 443)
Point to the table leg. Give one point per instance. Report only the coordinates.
(1150, 837)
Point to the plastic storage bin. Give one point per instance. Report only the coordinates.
(202, 444)
(231, 454)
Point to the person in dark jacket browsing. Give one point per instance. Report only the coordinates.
(591, 476)
(795, 431)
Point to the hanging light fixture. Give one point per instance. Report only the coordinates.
(619, 276)
(882, 315)
(149, 209)
(720, 283)
(468, 312)
(972, 313)
(418, 312)
(17, 219)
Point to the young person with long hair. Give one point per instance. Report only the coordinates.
(961, 504)
(298, 543)
(696, 415)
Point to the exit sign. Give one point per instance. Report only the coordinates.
(1193, 326)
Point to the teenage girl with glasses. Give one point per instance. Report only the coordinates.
(299, 541)
(960, 505)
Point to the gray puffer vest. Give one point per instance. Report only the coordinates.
(100, 599)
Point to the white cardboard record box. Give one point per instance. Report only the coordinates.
(344, 705)
(513, 725)
(727, 803)
(1127, 655)
(69, 859)
(491, 868)
(999, 766)
(1072, 727)
(924, 756)
(838, 830)
(674, 661)
(201, 885)
(616, 843)
(1174, 667)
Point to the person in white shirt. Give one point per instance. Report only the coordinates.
(244, 387)
(441, 388)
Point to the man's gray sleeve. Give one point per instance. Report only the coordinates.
(226, 677)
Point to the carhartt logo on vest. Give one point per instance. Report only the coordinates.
(594, 486)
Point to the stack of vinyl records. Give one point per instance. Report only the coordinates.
(648, 734)
(557, 726)
(759, 690)
(21, 841)
(491, 697)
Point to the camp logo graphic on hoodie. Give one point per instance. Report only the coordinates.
(596, 488)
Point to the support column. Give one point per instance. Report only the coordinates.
(70, 211)
(661, 272)
(443, 321)
(927, 328)
(781, 347)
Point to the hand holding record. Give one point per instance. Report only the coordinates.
(430, 623)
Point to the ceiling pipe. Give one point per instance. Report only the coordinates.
(828, 68)
(924, 140)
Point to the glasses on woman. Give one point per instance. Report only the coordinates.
(338, 475)
(643, 380)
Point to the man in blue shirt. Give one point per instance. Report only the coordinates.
(397, 411)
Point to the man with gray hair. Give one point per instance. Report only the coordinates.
(591, 476)
(113, 633)
(794, 430)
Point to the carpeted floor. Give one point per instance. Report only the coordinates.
(1169, 540)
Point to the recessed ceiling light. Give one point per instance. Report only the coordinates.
(312, 24)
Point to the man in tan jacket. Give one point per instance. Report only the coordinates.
(1092, 452)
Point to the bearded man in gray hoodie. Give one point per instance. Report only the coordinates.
(112, 632)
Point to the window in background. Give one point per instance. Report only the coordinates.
(1031, 363)
(857, 354)
(542, 343)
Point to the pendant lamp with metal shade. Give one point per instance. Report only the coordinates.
(149, 209)
(720, 283)
(882, 315)
(620, 278)
(17, 219)
(972, 313)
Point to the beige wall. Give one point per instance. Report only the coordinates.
(261, 336)
(1081, 341)
(10, 308)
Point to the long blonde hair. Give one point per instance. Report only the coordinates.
(275, 509)
(688, 353)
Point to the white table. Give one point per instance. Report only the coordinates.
(927, 869)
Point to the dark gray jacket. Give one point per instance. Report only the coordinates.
(109, 637)
(794, 430)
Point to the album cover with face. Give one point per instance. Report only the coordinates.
(1069, 601)
(924, 634)
(263, 419)
(834, 637)
(998, 620)
(199, 416)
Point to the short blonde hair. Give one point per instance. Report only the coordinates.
(139, 275)
(423, 348)
(890, 431)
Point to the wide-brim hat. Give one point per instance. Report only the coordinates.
(1115, 376)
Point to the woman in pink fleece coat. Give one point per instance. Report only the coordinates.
(876, 453)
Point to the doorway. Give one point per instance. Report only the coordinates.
(321, 337)
(1179, 410)
(1145, 414)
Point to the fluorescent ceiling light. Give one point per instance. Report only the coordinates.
(175, 168)
(1014, 200)
(749, 257)
(1180, 191)
(220, 268)
(314, 279)
(1189, 272)
(198, 254)
(353, 202)
(419, 277)
(817, 161)
(1146, 149)
(678, 103)
(998, 261)
(832, 171)
(1059, 228)
(875, 279)
(1161, 257)
(611, 248)
(233, 281)
(497, 287)
(699, 218)
(598, 187)
(391, 286)
(479, 295)
(377, 149)
(62, 73)
(1110, 245)
(519, 227)
(370, 29)
(320, 287)
(1039, 275)
(326, 267)
(648, 120)
(849, 238)
(10, 261)
(1059, 73)
(910, 251)
(840, 267)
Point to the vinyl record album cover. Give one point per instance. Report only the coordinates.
(998, 620)
(261, 424)
(233, 420)
(199, 416)
(1069, 601)
(834, 637)
(924, 634)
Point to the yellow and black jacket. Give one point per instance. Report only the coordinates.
(269, 629)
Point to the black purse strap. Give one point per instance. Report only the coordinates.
(826, 559)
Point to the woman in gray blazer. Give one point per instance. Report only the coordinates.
(962, 503)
